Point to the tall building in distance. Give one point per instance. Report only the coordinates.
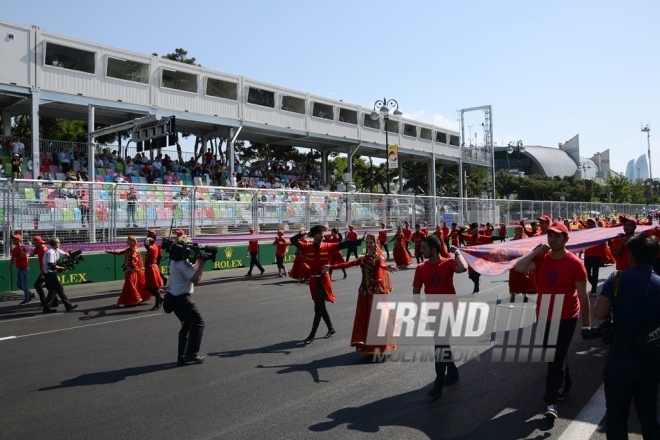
(638, 170)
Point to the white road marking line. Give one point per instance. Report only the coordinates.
(586, 422)
(80, 326)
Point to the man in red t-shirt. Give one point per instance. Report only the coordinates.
(618, 245)
(253, 253)
(39, 250)
(560, 275)
(280, 244)
(382, 238)
(592, 260)
(436, 275)
(407, 234)
(19, 255)
(351, 235)
(445, 234)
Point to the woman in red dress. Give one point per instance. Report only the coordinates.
(299, 270)
(133, 292)
(375, 281)
(152, 279)
(337, 257)
(400, 252)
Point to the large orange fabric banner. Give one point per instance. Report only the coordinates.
(496, 259)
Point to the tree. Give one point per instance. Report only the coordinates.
(179, 55)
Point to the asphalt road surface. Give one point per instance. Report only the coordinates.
(101, 372)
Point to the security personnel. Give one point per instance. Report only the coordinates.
(633, 296)
(180, 286)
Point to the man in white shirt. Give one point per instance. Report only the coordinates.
(18, 147)
(51, 269)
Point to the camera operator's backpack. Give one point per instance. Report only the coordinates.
(647, 344)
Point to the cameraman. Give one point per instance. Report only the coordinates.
(635, 309)
(180, 286)
(50, 269)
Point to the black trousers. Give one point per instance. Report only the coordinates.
(383, 246)
(280, 262)
(192, 325)
(40, 290)
(351, 251)
(254, 262)
(628, 379)
(592, 264)
(558, 375)
(443, 364)
(55, 288)
(320, 312)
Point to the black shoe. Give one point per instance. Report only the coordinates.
(344, 275)
(435, 394)
(49, 310)
(193, 359)
(159, 302)
(248, 274)
(309, 340)
(330, 333)
(181, 360)
(562, 394)
(262, 271)
(450, 379)
(73, 306)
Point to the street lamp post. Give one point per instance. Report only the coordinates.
(519, 147)
(383, 107)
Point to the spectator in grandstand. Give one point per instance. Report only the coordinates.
(157, 166)
(151, 176)
(82, 175)
(98, 162)
(176, 180)
(131, 199)
(167, 178)
(119, 178)
(45, 165)
(2, 169)
(16, 166)
(48, 180)
(239, 171)
(233, 182)
(18, 147)
(167, 163)
(65, 160)
(71, 175)
(208, 157)
(83, 204)
(175, 167)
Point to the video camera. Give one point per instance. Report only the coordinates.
(190, 251)
(69, 261)
(604, 330)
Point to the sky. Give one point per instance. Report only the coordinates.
(550, 70)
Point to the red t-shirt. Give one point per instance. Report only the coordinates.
(280, 246)
(622, 262)
(445, 232)
(21, 262)
(436, 278)
(558, 277)
(351, 235)
(41, 251)
(382, 235)
(208, 156)
(253, 245)
(594, 251)
(407, 233)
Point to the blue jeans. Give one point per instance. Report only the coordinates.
(22, 282)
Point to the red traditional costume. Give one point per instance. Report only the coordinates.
(375, 281)
(152, 276)
(401, 257)
(133, 292)
(299, 271)
(315, 260)
(417, 239)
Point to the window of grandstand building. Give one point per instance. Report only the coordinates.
(392, 126)
(441, 137)
(221, 89)
(184, 81)
(348, 116)
(453, 140)
(370, 123)
(324, 111)
(409, 130)
(261, 97)
(127, 70)
(425, 133)
(293, 104)
(69, 58)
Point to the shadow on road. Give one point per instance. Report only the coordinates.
(343, 360)
(279, 348)
(108, 377)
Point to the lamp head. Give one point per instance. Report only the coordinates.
(397, 112)
(510, 150)
(374, 115)
(384, 109)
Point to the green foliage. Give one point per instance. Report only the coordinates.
(180, 55)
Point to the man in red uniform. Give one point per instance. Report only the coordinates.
(19, 255)
(592, 260)
(561, 275)
(407, 234)
(436, 275)
(351, 235)
(280, 244)
(253, 253)
(417, 237)
(474, 238)
(382, 238)
(445, 234)
(619, 248)
(316, 255)
(502, 232)
(39, 250)
(544, 224)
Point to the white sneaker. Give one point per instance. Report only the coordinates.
(551, 411)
